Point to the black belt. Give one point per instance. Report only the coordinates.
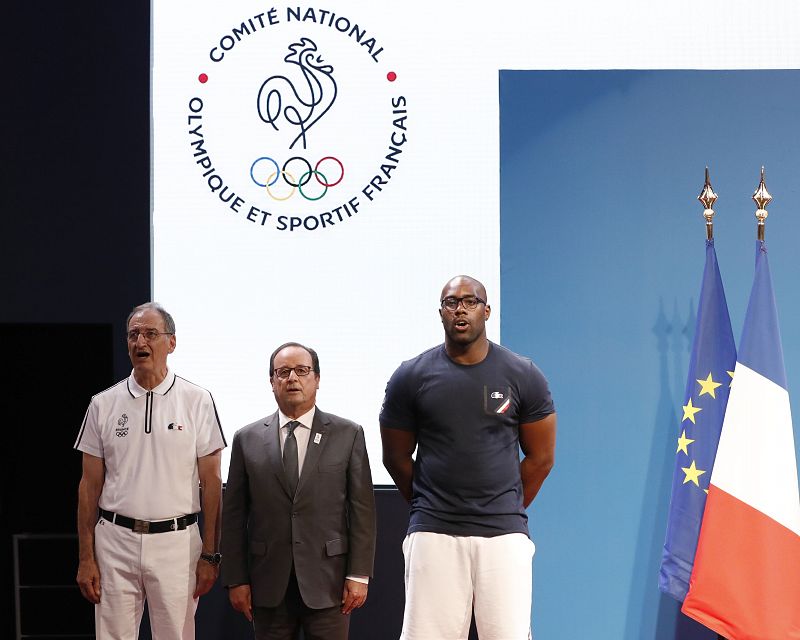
(145, 526)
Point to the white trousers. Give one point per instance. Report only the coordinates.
(446, 576)
(157, 566)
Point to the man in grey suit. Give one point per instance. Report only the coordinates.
(298, 520)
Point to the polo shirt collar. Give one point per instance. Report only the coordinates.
(137, 391)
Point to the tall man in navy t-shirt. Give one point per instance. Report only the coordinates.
(467, 407)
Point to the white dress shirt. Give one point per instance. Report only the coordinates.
(302, 433)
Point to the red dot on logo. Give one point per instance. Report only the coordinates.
(391, 76)
(203, 78)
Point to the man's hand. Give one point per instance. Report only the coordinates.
(240, 600)
(206, 577)
(354, 595)
(89, 489)
(88, 580)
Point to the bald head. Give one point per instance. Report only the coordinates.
(458, 281)
(464, 316)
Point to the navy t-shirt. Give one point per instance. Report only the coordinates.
(466, 418)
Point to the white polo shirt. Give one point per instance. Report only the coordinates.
(150, 442)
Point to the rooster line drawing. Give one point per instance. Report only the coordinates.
(302, 107)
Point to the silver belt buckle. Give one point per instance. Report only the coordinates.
(141, 526)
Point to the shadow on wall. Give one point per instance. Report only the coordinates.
(674, 343)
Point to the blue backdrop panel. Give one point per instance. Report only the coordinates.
(602, 252)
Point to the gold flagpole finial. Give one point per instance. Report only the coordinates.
(707, 198)
(762, 198)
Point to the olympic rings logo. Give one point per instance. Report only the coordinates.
(257, 171)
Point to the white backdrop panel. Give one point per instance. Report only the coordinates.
(363, 291)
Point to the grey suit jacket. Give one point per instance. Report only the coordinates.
(327, 529)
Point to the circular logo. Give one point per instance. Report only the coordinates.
(298, 122)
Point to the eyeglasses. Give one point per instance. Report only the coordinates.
(470, 302)
(301, 370)
(147, 334)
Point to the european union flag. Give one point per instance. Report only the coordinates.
(711, 368)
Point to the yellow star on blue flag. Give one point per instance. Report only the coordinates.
(708, 386)
(689, 411)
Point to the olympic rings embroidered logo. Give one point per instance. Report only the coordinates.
(122, 429)
(289, 177)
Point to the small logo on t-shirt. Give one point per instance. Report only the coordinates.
(122, 429)
(174, 426)
(496, 400)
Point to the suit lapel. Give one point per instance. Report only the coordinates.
(316, 443)
(273, 446)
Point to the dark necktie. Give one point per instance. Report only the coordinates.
(290, 459)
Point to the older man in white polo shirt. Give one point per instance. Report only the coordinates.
(149, 444)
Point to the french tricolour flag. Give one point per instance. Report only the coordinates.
(746, 579)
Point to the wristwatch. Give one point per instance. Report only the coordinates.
(211, 558)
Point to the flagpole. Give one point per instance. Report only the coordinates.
(707, 198)
(762, 198)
